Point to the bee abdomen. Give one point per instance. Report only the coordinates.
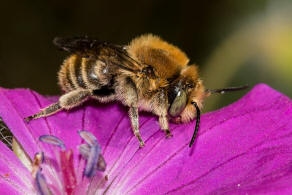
(88, 73)
(70, 75)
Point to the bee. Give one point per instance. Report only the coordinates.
(148, 74)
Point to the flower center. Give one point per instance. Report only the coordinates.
(46, 180)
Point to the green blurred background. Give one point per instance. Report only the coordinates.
(234, 42)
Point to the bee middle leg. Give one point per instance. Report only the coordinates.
(66, 101)
(129, 96)
(134, 116)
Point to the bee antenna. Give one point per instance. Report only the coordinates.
(229, 89)
(197, 123)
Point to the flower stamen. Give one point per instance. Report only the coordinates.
(91, 151)
(52, 140)
(84, 150)
(88, 137)
(41, 184)
(37, 161)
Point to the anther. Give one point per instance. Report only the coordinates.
(50, 139)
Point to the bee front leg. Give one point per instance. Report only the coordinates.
(66, 101)
(163, 121)
(161, 106)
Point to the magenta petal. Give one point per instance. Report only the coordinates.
(243, 148)
(14, 177)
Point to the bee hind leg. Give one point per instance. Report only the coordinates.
(51, 109)
(66, 101)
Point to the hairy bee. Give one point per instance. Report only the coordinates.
(148, 74)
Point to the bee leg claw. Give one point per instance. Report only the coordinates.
(168, 134)
(137, 134)
(141, 144)
(29, 118)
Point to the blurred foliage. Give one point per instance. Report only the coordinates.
(234, 42)
(258, 51)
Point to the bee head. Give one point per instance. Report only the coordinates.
(182, 94)
(186, 95)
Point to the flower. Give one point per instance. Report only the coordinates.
(245, 147)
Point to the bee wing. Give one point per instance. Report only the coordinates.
(107, 52)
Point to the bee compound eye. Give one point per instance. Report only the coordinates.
(178, 104)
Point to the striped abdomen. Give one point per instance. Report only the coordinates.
(87, 73)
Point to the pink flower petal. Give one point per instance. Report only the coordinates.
(242, 148)
(14, 177)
